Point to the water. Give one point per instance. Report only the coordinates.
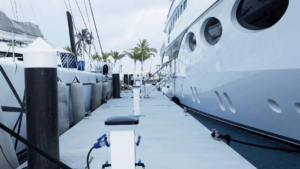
(260, 158)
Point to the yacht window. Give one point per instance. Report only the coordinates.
(2, 54)
(181, 9)
(260, 14)
(192, 42)
(213, 31)
(185, 3)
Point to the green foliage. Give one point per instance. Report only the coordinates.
(68, 48)
(96, 57)
(105, 57)
(116, 56)
(84, 38)
(145, 50)
(134, 54)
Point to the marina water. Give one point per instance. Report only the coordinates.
(259, 157)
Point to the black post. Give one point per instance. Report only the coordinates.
(71, 33)
(41, 103)
(116, 84)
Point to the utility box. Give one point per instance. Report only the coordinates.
(122, 136)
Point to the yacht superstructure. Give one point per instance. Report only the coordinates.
(237, 61)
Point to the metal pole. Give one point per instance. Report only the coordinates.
(71, 34)
(40, 68)
(7, 52)
(13, 45)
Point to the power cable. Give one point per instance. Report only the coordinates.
(88, 157)
(12, 6)
(96, 27)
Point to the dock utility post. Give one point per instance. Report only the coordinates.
(122, 139)
(41, 103)
(136, 97)
(116, 83)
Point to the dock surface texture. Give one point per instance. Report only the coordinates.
(170, 139)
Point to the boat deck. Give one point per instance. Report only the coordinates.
(171, 139)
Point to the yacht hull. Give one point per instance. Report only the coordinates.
(249, 78)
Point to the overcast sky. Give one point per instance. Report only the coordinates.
(121, 23)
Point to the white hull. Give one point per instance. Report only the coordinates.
(253, 69)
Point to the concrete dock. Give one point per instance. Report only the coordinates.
(171, 139)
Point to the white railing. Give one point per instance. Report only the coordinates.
(151, 90)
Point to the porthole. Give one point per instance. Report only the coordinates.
(260, 14)
(191, 41)
(213, 31)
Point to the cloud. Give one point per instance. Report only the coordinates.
(120, 23)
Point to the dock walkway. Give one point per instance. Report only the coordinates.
(171, 139)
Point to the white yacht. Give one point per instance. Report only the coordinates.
(237, 61)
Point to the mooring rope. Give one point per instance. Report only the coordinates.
(228, 139)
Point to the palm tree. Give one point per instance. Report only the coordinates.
(145, 50)
(98, 58)
(84, 39)
(105, 57)
(117, 56)
(135, 55)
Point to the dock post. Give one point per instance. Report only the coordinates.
(122, 136)
(136, 97)
(40, 67)
(116, 83)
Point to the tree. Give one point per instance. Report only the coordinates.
(117, 56)
(105, 57)
(68, 48)
(97, 58)
(135, 55)
(84, 38)
(145, 50)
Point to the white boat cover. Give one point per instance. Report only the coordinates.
(23, 28)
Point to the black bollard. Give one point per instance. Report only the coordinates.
(116, 83)
(40, 67)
